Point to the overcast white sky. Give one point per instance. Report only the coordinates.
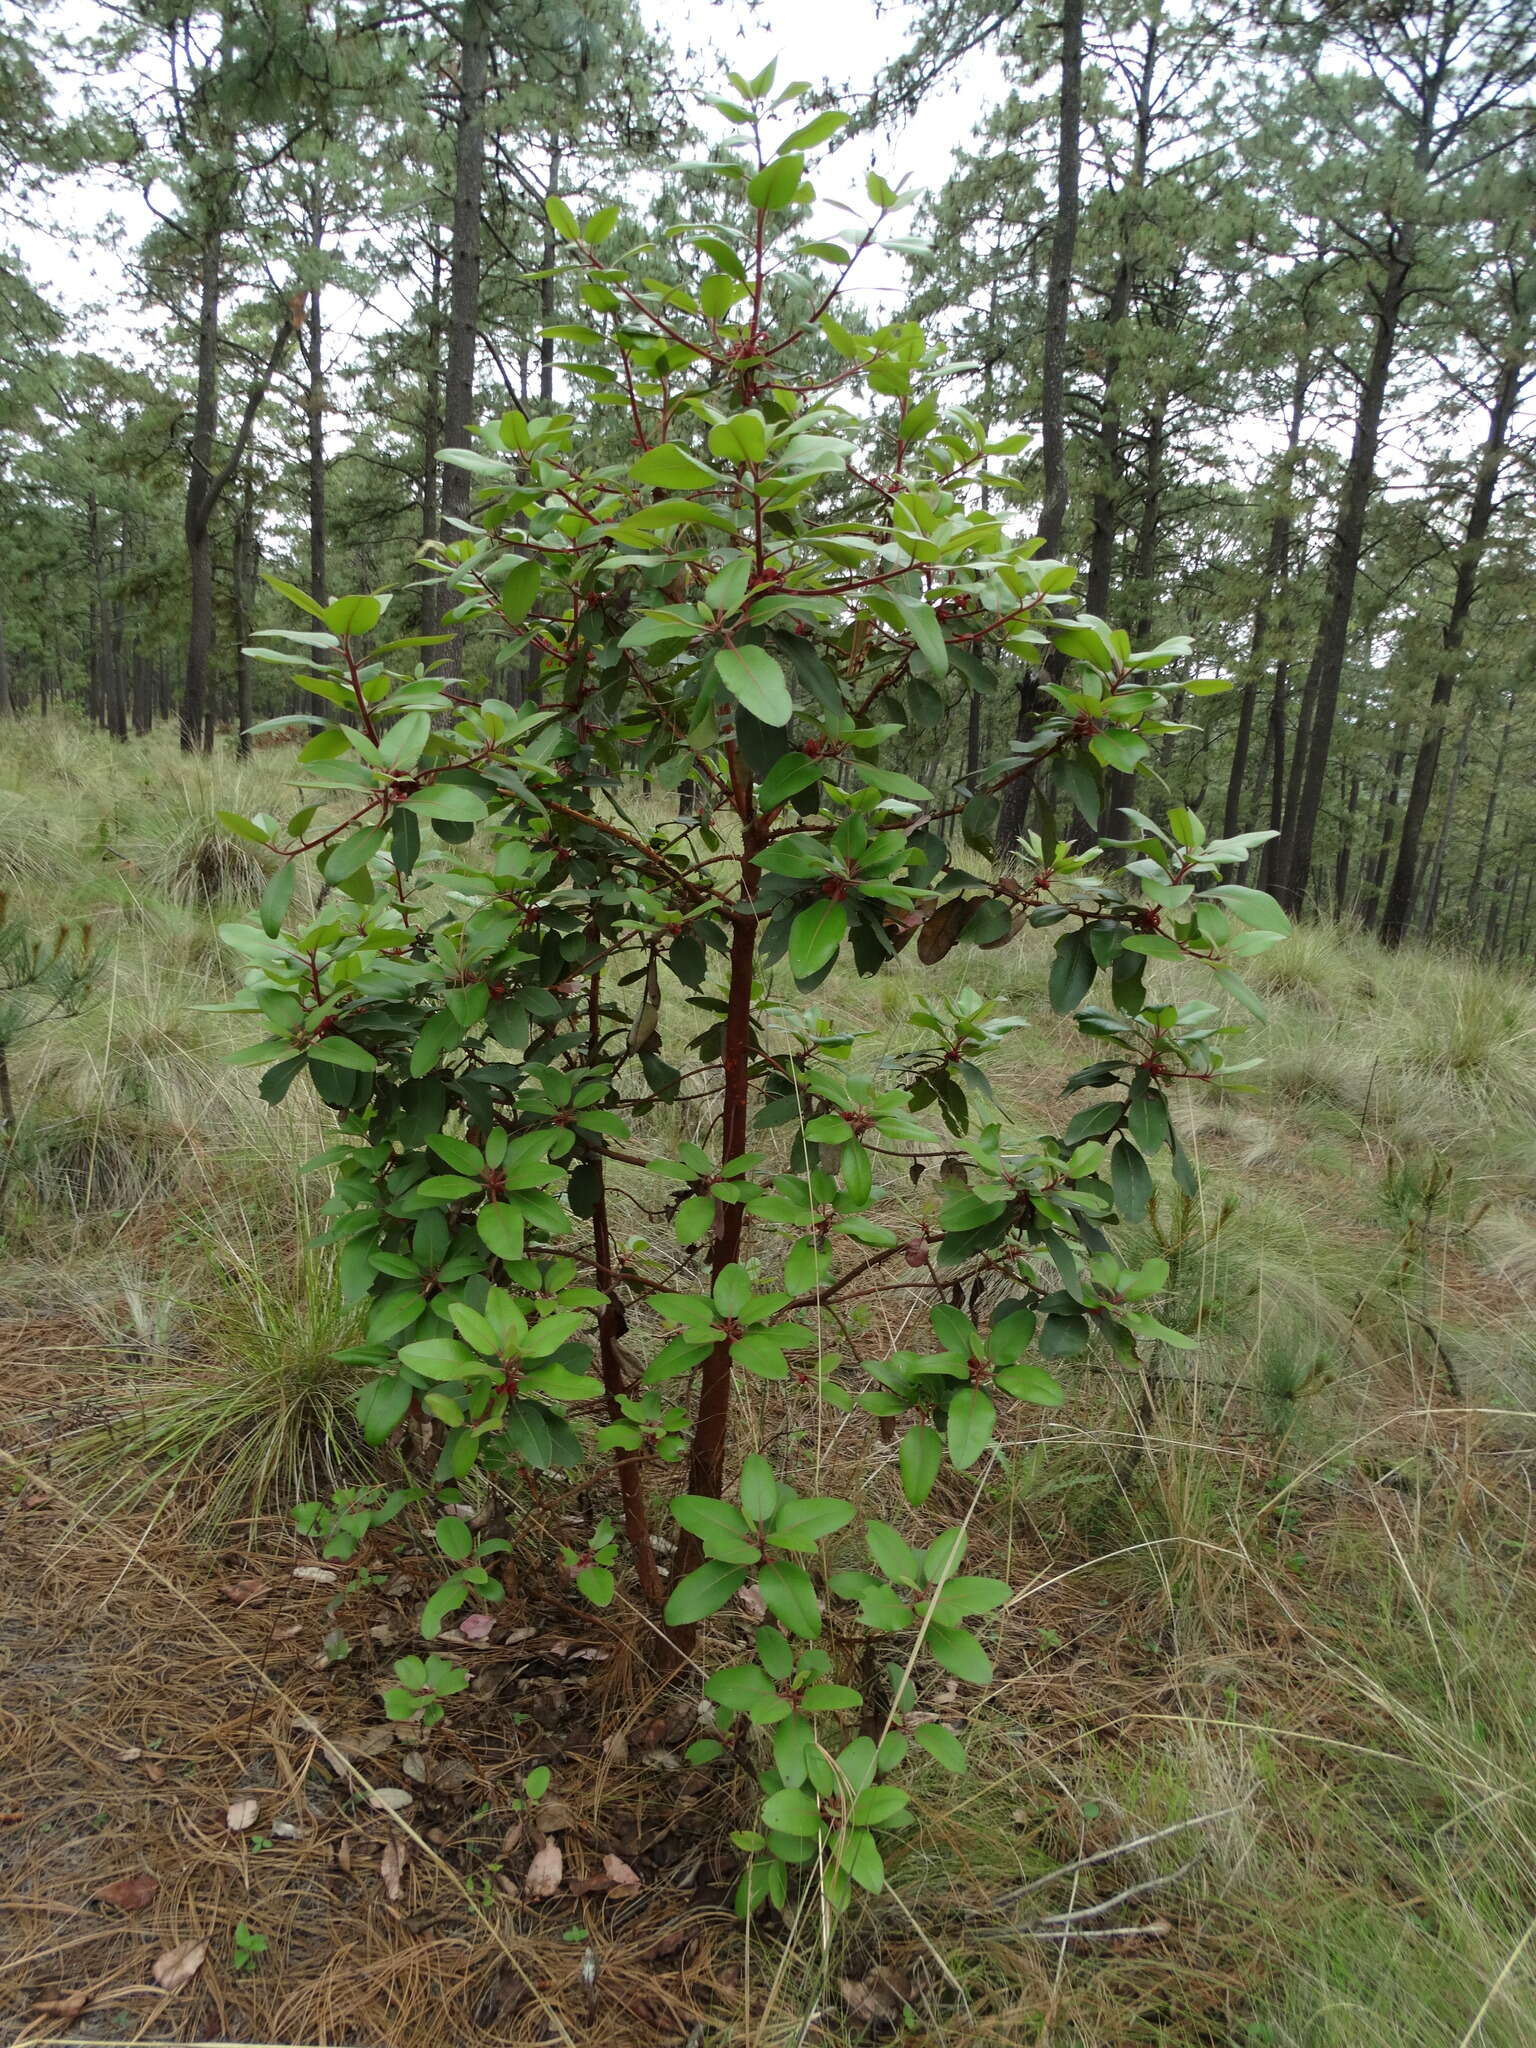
(76, 250)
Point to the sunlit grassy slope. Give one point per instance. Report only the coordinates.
(1283, 1587)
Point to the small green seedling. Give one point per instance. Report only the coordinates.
(593, 1566)
(248, 1946)
(425, 1682)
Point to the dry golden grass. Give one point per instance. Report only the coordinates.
(1281, 1593)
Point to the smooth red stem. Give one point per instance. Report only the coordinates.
(706, 1466)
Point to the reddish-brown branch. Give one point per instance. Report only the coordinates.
(706, 1469)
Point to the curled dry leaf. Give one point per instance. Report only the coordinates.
(315, 1573)
(618, 1872)
(243, 1592)
(178, 1966)
(243, 1813)
(129, 1894)
(545, 1872)
(392, 1866)
(69, 2007)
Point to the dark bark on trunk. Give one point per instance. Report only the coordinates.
(464, 271)
(1274, 853)
(547, 287)
(430, 614)
(1399, 907)
(198, 513)
(1430, 909)
(1326, 672)
(143, 696)
(1521, 923)
(7, 704)
(314, 349)
(1053, 375)
(1386, 826)
(107, 702)
(1346, 848)
(706, 1467)
(1277, 558)
(1120, 783)
(243, 577)
(206, 485)
(1494, 787)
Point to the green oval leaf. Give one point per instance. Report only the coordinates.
(756, 681)
(815, 936)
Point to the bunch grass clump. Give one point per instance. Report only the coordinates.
(230, 1390)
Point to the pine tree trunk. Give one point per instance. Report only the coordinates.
(143, 695)
(1494, 787)
(547, 286)
(242, 577)
(1346, 846)
(464, 272)
(1120, 783)
(1386, 824)
(1399, 908)
(1277, 557)
(205, 485)
(1430, 909)
(1321, 695)
(1053, 377)
(430, 612)
(7, 704)
(314, 346)
(194, 696)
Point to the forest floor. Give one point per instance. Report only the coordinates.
(1270, 1683)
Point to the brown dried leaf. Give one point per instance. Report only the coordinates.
(129, 1894)
(389, 1799)
(374, 1741)
(942, 931)
(553, 1814)
(243, 1813)
(244, 1592)
(392, 1866)
(545, 1872)
(879, 1997)
(616, 1748)
(69, 2007)
(178, 1966)
(621, 1874)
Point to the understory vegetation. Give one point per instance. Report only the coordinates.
(1278, 1589)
